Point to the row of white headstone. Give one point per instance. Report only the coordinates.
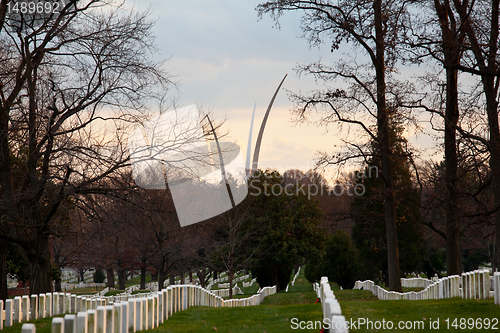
(416, 282)
(221, 278)
(470, 285)
(141, 313)
(25, 308)
(71, 276)
(225, 292)
(147, 312)
(293, 280)
(249, 284)
(332, 313)
(70, 286)
(235, 280)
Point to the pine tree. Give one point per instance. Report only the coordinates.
(367, 210)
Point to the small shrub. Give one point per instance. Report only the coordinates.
(99, 276)
(339, 262)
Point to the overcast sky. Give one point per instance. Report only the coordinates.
(225, 60)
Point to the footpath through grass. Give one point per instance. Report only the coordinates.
(273, 315)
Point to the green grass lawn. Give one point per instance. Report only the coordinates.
(249, 291)
(88, 291)
(114, 292)
(362, 304)
(136, 280)
(405, 289)
(42, 326)
(276, 312)
(273, 315)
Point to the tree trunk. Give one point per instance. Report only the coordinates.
(57, 285)
(203, 276)
(121, 279)
(203, 280)
(111, 278)
(492, 111)
(3, 270)
(183, 278)
(190, 276)
(143, 276)
(161, 279)
(491, 93)
(385, 152)
(82, 275)
(230, 276)
(39, 265)
(171, 279)
(275, 281)
(495, 170)
(451, 46)
(453, 255)
(488, 65)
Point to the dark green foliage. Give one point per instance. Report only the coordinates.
(369, 232)
(56, 273)
(16, 265)
(434, 262)
(472, 258)
(99, 276)
(289, 232)
(269, 276)
(339, 262)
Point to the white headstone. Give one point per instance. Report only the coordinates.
(160, 308)
(55, 305)
(34, 307)
(131, 315)
(25, 301)
(138, 314)
(70, 323)
(92, 321)
(28, 328)
(117, 312)
(8, 313)
(58, 325)
(1, 314)
(144, 314)
(48, 305)
(150, 308)
(110, 319)
(101, 319)
(81, 322)
(124, 317)
(17, 310)
(78, 304)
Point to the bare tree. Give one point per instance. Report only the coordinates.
(439, 35)
(60, 76)
(481, 24)
(377, 28)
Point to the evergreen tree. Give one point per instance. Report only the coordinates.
(339, 262)
(367, 211)
(289, 232)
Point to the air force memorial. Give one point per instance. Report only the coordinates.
(205, 178)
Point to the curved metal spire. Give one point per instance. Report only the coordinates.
(249, 146)
(261, 131)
